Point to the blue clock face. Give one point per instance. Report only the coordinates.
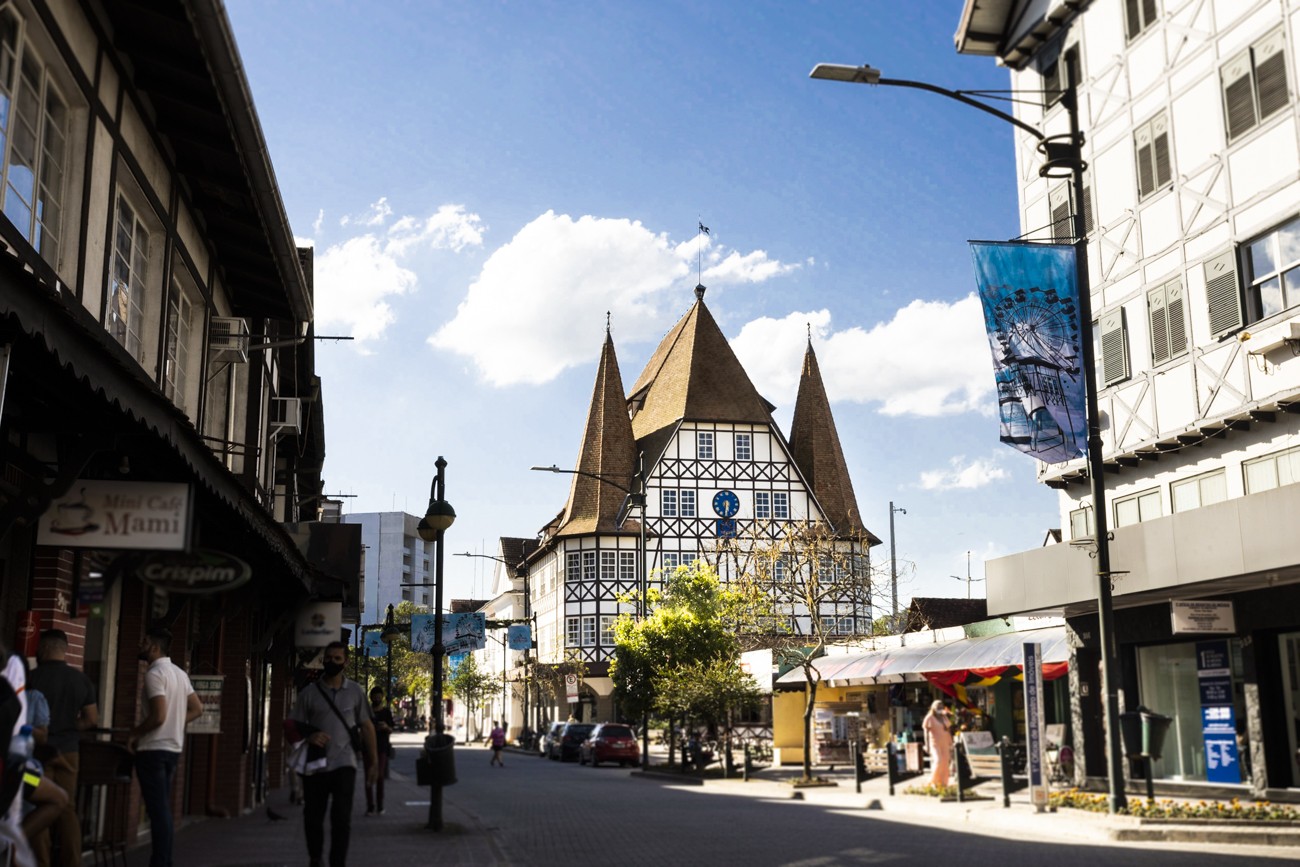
(726, 504)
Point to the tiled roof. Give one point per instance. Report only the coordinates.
(693, 374)
(607, 450)
(514, 551)
(815, 447)
(938, 612)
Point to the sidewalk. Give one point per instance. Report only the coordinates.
(984, 813)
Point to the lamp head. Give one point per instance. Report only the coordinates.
(390, 634)
(551, 469)
(838, 72)
(439, 516)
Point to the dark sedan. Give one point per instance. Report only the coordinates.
(569, 743)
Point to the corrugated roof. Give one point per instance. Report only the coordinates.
(694, 374)
(893, 664)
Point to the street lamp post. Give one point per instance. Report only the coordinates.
(522, 569)
(1063, 155)
(437, 518)
(388, 636)
(633, 500)
(893, 567)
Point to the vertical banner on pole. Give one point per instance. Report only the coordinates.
(1030, 295)
(1034, 724)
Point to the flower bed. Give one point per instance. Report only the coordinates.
(1255, 811)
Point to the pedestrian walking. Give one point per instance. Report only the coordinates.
(73, 709)
(498, 740)
(383, 720)
(335, 711)
(938, 736)
(157, 740)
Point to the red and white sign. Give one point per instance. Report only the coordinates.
(571, 688)
(29, 632)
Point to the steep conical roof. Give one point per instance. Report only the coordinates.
(815, 447)
(693, 374)
(607, 450)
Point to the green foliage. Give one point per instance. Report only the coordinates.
(1257, 811)
(683, 658)
(471, 685)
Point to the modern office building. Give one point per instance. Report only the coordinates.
(1192, 214)
(395, 556)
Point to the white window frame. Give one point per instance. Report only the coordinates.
(781, 505)
(588, 630)
(1139, 15)
(704, 445)
(626, 566)
(1283, 274)
(573, 632)
(744, 447)
(1200, 484)
(1255, 85)
(686, 502)
(128, 279)
(1283, 468)
(588, 566)
(1153, 156)
(668, 502)
(669, 561)
(607, 622)
(762, 505)
(1081, 523)
(1136, 508)
(573, 567)
(179, 341)
(608, 566)
(34, 189)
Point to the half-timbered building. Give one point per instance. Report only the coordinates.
(687, 465)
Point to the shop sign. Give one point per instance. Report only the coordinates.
(1203, 616)
(519, 636)
(1218, 726)
(319, 623)
(203, 571)
(208, 689)
(1033, 668)
(462, 631)
(148, 516)
(373, 642)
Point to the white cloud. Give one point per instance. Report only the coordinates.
(537, 307)
(316, 224)
(963, 475)
(356, 278)
(931, 359)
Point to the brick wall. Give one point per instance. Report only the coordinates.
(52, 586)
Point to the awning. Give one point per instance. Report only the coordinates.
(893, 664)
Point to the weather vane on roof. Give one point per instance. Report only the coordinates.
(699, 253)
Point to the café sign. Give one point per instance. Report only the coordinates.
(202, 571)
(151, 516)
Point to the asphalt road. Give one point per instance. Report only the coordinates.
(539, 812)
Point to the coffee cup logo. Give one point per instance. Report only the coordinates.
(74, 518)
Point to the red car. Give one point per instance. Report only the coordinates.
(610, 742)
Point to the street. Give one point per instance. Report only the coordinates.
(538, 812)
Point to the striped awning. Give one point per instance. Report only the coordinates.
(892, 665)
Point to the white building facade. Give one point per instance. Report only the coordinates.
(1192, 147)
(395, 556)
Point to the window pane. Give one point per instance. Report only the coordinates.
(1269, 296)
(687, 504)
(1186, 496)
(744, 449)
(1261, 257)
(1126, 512)
(1214, 488)
(1149, 506)
(1261, 475)
(1288, 467)
(668, 503)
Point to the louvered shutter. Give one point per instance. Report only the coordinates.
(1160, 149)
(1221, 293)
(1087, 205)
(1114, 347)
(1176, 310)
(1132, 17)
(1145, 162)
(1062, 224)
(1239, 95)
(1159, 326)
(1270, 74)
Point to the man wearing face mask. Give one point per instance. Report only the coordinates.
(336, 712)
(170, 704)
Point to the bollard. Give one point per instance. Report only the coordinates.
(748, 767)
(893, 765)
(1004, 763)
(958, 755)
(855, 755)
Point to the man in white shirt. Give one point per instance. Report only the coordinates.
(157, 740)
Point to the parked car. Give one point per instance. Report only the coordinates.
(610, 742)
(546, 743)
(569, 741)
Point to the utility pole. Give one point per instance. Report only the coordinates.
(893, 567)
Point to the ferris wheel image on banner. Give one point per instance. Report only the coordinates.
(1031, 314)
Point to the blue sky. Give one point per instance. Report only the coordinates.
(483, 181)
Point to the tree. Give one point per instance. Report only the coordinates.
(550, 677)
(683, 659)
(820, 586)
(470, 685)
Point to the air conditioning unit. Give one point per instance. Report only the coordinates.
(228, 339)
(286, 415)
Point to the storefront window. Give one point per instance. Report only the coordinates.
(1172, 684)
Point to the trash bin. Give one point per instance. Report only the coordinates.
(1144, 733)
(436, 763)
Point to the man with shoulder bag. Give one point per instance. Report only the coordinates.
(336, 712)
